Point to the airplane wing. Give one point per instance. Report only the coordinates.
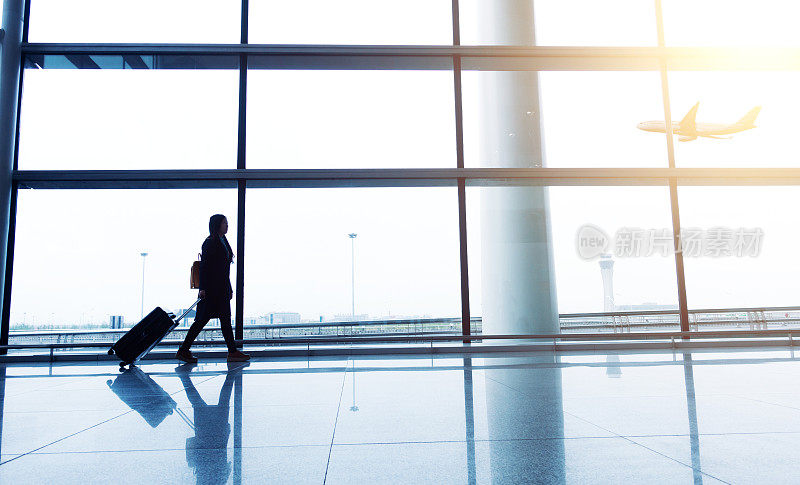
(688, 123)
(687, 138)
(717, 137)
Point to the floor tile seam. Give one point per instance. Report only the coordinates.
(183, 389)
(294, 405)
(733, 433)
(642, 396)
(507, 440)
(321, 445)
(61, 411)
(65, 437)
(99, 390)
(161, 373)
(179, 406)
(182, 449)
(335, 422)
(769, 403)
(646, 447)
(22, 393)
(676, 460)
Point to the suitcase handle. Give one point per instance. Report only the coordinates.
(187, 310)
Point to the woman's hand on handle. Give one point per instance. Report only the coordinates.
(201, 294)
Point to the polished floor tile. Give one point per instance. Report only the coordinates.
(633, 417)
(280, 465)
(583, 460)
(737, 458)
(24, 432)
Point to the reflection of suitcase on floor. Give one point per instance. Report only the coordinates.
(145, 335)
(143, 395)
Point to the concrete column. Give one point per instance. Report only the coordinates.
(519, 292)
(10, 57)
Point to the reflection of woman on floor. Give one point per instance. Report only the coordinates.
(207, 451)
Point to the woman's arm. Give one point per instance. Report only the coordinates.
(205, 265)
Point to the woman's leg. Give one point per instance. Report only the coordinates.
(194, 331)
(191, 392)
(227, 333)
(224, 400)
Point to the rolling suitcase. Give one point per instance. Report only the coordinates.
(145, 335)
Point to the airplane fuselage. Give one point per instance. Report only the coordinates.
(701, 129)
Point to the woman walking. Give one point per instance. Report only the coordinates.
(215, 291)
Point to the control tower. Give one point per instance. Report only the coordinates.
(607, 273)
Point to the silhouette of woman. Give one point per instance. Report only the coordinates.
(215, 291)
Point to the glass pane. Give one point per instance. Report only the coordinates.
(534, 251)
(351, 22)
(558, 22)
(744, 119)
(582, 119)
(131, 61)
(731, 23)
(299, 256)
(77, 258)
(728, 268)
(350, 119)
(128, 119)
(151, 21)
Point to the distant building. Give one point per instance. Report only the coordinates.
(274, 318)
(188, 319)
(116, 321)
(350, 318)
(644, 307)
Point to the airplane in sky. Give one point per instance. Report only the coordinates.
(688, 129)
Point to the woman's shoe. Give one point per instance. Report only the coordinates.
(186, 356)
(238, 357)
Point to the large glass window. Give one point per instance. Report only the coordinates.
(610, 249)
(750, 118)
(562, 22)
(328, 254)
(78, 258)
(350, 119)
(739, 246)
(107, 119)
(731, 23)
(351, 22)
(300, 255)
(573, 119)
(104, 21)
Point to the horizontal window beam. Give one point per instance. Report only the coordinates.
(481, 58)
(444, 177)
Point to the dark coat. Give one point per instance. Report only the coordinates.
(215, 279)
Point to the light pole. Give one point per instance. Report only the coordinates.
(144, 258)
(352, 236)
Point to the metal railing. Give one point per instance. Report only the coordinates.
(397, 327)
(574, 325)
(553, 342)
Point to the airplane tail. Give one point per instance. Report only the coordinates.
(688, 124)
(750, 118)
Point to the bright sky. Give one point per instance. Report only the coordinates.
(77, 257)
